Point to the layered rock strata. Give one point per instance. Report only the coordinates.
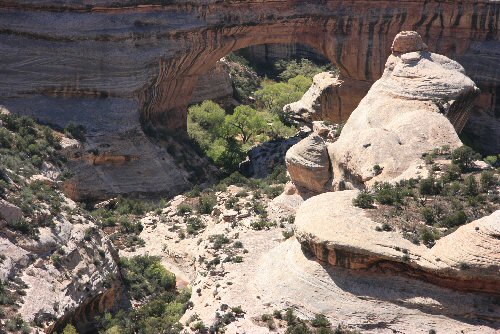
(342, 235)
(214, 85)
(108, 65)
(419, 104)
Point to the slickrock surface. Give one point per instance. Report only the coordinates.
(107, 65)
(342, 235)
(276, 274)
(308, 164)
(371, 302)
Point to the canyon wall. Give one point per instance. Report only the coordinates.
(111, 66)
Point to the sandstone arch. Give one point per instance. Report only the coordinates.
(106, 64)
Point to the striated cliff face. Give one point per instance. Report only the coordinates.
(110, 65)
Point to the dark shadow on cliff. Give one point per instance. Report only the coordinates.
(474, 309)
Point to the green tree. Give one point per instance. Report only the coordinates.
(292, 68)
(70, 329)
(274, 96)
(464, 157)
(205, 123)
(245, 122)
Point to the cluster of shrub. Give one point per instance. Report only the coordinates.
(122, 219)
(225, 136)
(161, 304)
(454, 198)
(24, 146)
(294, 325)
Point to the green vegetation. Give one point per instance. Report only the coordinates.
(161, 304)
(145, 277)
(70, 329)
(293, 68)
(451, 196)
(226, 135)
(25, 147)
(121, 220)
(75, 131)
(364, 200)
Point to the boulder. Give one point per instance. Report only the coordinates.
(9, 211)
(408, 41)
(308, 164)
(343, 235)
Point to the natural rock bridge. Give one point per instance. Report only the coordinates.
(107, 65)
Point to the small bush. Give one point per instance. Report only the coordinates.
(262, 224)
(464, 157)
(56, 260)
(429, 186)
(377, 170)
(364, 200)
(487, 180)
(146, 277)
(207, 203)
(386, 194)
(219, 240)
(427, 236)
(184, 208)
(455, 219)
(75, 131)
(428, 215)
(471, 187)
(320, 321)
(492, 160)
(287, 234)
(194, 225)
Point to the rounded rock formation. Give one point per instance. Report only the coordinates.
(308, 164)
(343, 235)
(408, 41)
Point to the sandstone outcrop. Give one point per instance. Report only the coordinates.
(308, 164)
(342, 235)
(108, 66)
(9, 212)
(63, 269)
(319, 103)
(419, 104)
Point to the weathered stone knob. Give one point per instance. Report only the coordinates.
(408, 41)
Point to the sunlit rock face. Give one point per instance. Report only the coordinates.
(343, 235)
(420, 103)
(110, 66)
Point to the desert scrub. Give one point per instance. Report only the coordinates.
(218, 241)
(194, 225)
(429, 208)
(25, 145)
(184, 208)
(207, 202)
(161, 305)
(145, 276)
